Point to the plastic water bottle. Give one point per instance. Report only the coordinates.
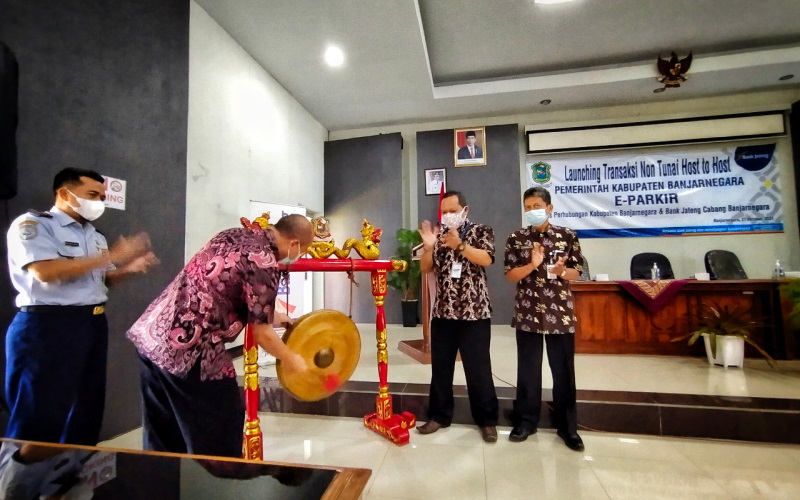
(777, 271)
(655, 273)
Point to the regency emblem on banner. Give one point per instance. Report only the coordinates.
(540, 172)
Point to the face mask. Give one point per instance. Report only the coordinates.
(289, 260)
(453, 221)
(88, 209)
(536, 217)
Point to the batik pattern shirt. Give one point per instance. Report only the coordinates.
(543, 305)
(232, 281)
(467, 297)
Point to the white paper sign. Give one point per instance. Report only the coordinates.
(99, 469)
(115, 192)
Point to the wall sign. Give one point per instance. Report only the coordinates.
(115, 192)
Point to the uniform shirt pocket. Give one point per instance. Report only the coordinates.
(70, 250)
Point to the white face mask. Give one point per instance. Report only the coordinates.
(88, 209)
(288, 260)
(536, 217)
(453, 221)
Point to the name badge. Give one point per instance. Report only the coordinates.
(71, 244)
(455, 271)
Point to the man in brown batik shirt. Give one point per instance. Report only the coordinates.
(541, 259)
(458, 254)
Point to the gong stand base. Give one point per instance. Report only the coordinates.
(392, 426)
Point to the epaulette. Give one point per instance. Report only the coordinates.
(36, 213)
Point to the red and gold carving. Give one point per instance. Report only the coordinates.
(379, 284)
(383, 406)
(395, 427)
(252, 448)
(251, 369)
(367, 247)
(251, 356)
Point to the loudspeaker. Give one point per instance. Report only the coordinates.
(794, 130)
(9, 88)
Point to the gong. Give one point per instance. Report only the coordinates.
(331, 345)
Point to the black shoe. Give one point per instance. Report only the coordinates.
(489, 434)
(430, 427)
(520, 434)
(573, 441)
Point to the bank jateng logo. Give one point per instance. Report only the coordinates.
(540, 172)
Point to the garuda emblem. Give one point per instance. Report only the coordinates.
(672, 71)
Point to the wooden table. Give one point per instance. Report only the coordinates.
(611, 321)
(114, 474)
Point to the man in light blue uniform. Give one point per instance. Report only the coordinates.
(56, 346)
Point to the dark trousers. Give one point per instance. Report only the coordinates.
(472, 339)
(56, 377)
(187, 415)
(561, 356)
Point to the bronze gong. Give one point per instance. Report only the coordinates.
(331, 345)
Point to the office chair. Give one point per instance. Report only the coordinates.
(585, 275)
(724, 265)
(642, 263)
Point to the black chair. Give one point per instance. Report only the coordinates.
(642, 263)
(724, 265)
(585, 275)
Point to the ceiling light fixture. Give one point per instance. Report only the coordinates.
(551, 1)
(786, 77)
(659, 90)
(545, 102)
(334, 56)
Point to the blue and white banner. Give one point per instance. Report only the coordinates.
(714, 191)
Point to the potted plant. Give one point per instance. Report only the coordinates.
(791, 290)
(407, 282)
(724, 330)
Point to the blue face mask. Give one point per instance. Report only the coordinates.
(536, 217)
(289, 260)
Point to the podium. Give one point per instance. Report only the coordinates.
(420, 350)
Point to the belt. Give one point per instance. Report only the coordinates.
(69, 310)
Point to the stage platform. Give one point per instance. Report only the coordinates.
(648, 395)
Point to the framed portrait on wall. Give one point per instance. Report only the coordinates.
(470, 146)
(435, 180)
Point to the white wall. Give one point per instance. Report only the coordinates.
(612, 255)
(248, 138)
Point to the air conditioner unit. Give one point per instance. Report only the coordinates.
(658, 133)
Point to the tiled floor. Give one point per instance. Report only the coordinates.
(455, 463)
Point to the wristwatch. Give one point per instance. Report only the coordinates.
(461, 247)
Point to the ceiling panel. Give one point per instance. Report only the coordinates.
(505, 56)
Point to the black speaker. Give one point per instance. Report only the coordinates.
(794, 130)
(9, 88)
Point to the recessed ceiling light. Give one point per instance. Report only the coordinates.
(545, 102)
(659, 90)
(786, 77)
(334, 56)
(551, 1)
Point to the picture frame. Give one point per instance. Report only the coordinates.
(466, 154)
(435, 178)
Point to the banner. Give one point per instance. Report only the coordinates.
(713, 191)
